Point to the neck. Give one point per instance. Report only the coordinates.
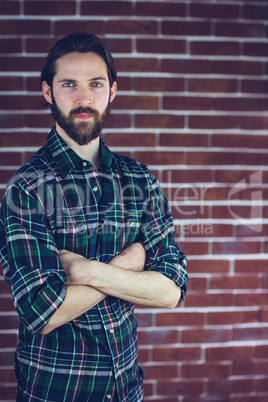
(89, 152)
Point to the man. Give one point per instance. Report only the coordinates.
(85, 234)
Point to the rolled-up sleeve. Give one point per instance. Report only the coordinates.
(30, 256)
(163, 254)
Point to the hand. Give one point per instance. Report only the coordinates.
(132, 258)
(73, 265)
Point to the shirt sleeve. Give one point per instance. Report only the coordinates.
(30, 258)
(163, 254)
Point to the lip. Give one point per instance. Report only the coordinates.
(83, 116)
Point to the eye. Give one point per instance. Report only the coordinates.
(68, 84)
(96, 84)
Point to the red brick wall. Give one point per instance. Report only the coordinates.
(192, 104)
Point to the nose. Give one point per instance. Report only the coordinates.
(83, 97)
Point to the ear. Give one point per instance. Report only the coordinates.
(113, 91)
(46, 89)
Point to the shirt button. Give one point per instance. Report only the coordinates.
(131, 224)
(111, 330)
(65, 231)
(84, 163)
(95, 188)
(109, 396)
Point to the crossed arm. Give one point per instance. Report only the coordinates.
(124, 277)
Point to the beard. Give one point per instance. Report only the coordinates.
(82, 132)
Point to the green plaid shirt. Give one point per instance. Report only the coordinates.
(57, 200)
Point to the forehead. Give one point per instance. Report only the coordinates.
(75, 65)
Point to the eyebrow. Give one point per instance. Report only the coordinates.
(100, 78)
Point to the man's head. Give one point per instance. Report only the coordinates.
(78, 81)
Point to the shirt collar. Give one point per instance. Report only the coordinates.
(66, 159)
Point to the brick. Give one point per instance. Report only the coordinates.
(210, 300)
(39, 45)
(212, 158)
(252, 230)
(38, 120)
(11, 83)
(240, 141)
(213, 122)
(253, 299)
(24, 102)
(210, 266)
(136, 102)
(6, 358)
(151, 84)
(237, 67)
(214, 11)
(185, 176)
(136, 64)
(21, 63)
(261, 351)
(160, 158)
(6, 304)
(10, 46)
(254, 398)
(144, 355)
(232, 211)
(254, 86)
(163, 46)
(178, 318)
(206, 370)
(118, 120)
(186, 66)
(217, 193)
(240, 104)
(249, 367)
(167, 9)
(258, 265)
(144, 319)
(194, 248)
(215, 48)
(8, 340)
(215, 85)
(233, 317)
(262, 385)
(206, 229)
(179, 387)
(118, 45)
(230, 386)
(252, 333)
(24, 27)
(10, 158)
(233, 176)
(7, 376)
(9, 392)
(63, 27)
(186, 28)
(5, 175)
(176, 354)
(238, 247)
(156, 372)
(187, 103)
(254, 122)
(229, 353)
(157, 337)
(235, 282)
(10, 121)
(191, 212)
(114, 8)
(49, 7)
(9, 8)
(253, 159)
(256, 49)
(159, 120)
(255, 12)
(130, 139)
(184, 140)
(197, 284)
(10, 322)
(238, 29)
(22, 139)
(132, 27)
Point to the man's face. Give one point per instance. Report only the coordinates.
(80, 96)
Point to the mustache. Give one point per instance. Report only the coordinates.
(82, 109)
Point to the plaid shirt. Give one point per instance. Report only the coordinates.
(57, 200)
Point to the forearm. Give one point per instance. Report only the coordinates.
(77, 301)
(147, 288)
